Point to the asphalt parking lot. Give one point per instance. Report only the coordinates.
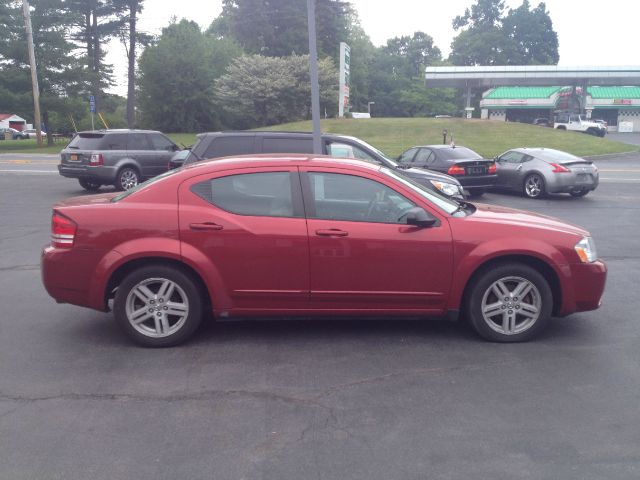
(340, 399)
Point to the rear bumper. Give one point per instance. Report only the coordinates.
(567, 182)
(99, 174)
(585, 289)
(480, 181)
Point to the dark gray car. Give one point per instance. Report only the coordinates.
(538, 171)
(224, 144)
(122, 158)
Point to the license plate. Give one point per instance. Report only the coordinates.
(74, 157)
(476, 170)
(584, 178)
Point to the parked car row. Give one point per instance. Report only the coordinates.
(13, 133)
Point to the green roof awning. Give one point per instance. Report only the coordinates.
(508, 93)
(614, 92)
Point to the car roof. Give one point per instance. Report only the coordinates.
(278, 160)
(276, 133)
(118, 130)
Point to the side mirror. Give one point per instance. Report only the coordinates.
(420, 218)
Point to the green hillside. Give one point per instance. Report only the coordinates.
(394, 135)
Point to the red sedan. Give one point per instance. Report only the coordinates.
(300, 236)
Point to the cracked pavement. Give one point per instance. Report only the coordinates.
(334, 399)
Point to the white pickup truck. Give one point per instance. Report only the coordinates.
(579, 123)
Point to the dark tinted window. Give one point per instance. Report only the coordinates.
(265, 194)
(138, 141)
(160, 142)
(423, 156)
(287, 145)
(87, 141)
(407, 156)
(512, 157)
(115, 141)
(457, 153)
(356, 199)
(229, 146)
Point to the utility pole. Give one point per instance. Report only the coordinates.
(313, 73)
(34, 74)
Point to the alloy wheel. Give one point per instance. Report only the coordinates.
(157, 307)
(511, 305)
(534, 186)
(128, 179)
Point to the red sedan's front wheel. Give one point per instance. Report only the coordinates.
(509, 303)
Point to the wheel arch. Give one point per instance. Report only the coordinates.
(542, 267)
(126, 268)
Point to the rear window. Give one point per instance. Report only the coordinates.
(457, 153)
(287, 145)
(87, 141)
(556, 156)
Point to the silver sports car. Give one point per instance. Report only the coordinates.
(538, 171)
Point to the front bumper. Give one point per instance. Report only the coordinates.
(585, 287)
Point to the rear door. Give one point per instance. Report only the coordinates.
(249, 225)
(139, 149)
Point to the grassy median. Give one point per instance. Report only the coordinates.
(394, 135)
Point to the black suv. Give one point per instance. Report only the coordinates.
(122, 158)
(225, 144)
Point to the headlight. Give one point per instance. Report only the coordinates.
(449, 189)
(586, 250)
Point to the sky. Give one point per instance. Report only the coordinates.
(590, 32)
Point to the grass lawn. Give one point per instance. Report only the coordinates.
(488, 138)
(394, 135)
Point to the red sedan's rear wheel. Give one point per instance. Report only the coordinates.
(509, 303)
(158, 306)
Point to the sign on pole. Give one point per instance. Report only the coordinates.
(92, 104)
(345, 72)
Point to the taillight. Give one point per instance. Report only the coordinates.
(96, 160)
(557, 168)
(492, 168)
(456, 170)
(63, 231)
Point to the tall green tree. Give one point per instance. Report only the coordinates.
(533, 40)
(489, 36)
(60, 74)
(260, 91)
(279, 27)
(176, 79)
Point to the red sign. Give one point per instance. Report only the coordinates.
(621, 101)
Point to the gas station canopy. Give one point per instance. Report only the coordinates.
(530, 75)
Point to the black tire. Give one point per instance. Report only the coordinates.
(579, 192)
(476, 192)
(128, 177)
(184, 294)
(481, 293)
(89, 185)
(561, 127)
(528, 189)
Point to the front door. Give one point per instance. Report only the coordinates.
(363, 256)
(248, 225)
(509, 168)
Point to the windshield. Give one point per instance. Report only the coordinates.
(391, 163)
(144, 185)
(456, 153)
(439, 201)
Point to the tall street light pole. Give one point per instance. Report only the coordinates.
(34, 74)
(313, 72)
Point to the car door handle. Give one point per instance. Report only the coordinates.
(205, 226)
(519, 167)
(331, 232)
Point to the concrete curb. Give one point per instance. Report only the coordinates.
(615, 156)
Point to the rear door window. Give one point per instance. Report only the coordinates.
(115, 141)
(287, 145)
(265, 194)
(230, 146)
(138, 141)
